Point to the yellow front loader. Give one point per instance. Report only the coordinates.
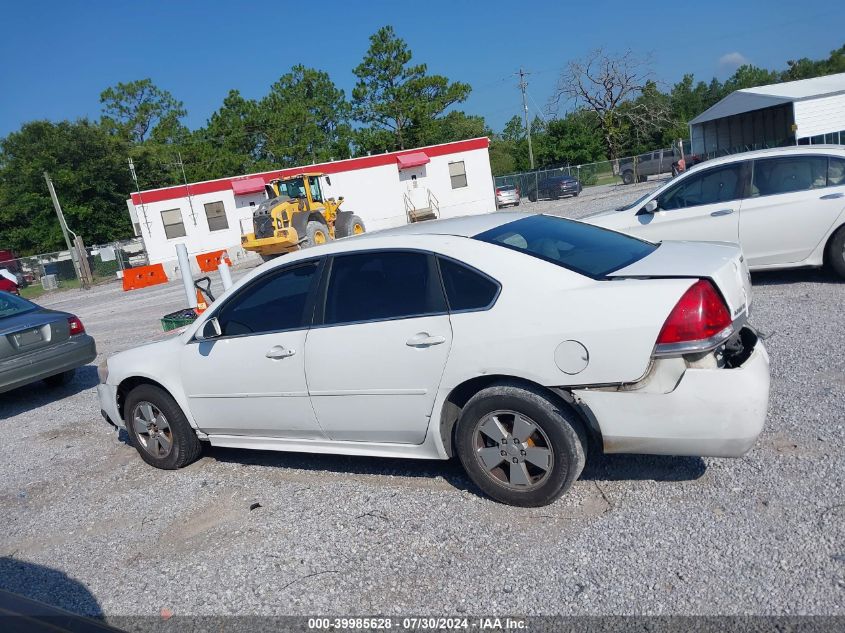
(295, 215)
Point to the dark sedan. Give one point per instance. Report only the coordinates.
(555, 187)
(39, 344)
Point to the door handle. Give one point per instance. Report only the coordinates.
(716, 214)
(277, 351)
(424, 339)
(833, 196)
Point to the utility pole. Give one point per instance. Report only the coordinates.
(58, 208)
(522, 86)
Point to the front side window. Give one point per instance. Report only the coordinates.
(215, 213)
(293, 188)
(773, 176)
(173, 224)
(382, 285)
(713, 186)
(586, 249)
(458, 174)
(276, 301)
(466, 288)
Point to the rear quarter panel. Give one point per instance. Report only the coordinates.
(542, 305)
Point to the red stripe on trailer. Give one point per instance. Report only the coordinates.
(349, 164)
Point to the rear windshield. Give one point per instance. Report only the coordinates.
(583, 248)
(10, 305)
(507, 187)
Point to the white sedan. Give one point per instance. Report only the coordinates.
(785, 207)
(510, 340)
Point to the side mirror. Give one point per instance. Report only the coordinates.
(209, 330)
(649, 207)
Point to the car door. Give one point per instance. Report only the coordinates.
(790, 208)
(251, 379)
(376, 354)
(701, 206)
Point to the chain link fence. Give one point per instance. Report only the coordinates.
(35, 274)
(544, 183)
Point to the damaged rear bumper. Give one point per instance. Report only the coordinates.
(713, 412)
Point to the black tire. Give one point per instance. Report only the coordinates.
(836, 252)
(517, 203)
(316, 233)
(642, 178)
(628, 177)
(532, 197)
(559, 427)
(60, 380)
(267, 258)
(185, 447)
(348, 224)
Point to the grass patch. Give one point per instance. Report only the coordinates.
(33, 291)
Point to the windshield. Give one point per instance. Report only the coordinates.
(583, 248)
(636, 202)
(293, 188)
(10, 305)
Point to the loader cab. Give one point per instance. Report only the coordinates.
(305, 187)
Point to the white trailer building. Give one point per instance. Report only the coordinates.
(804, 112)
(385, 190)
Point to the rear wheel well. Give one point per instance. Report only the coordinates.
(128, 385)
(827, 247)
(460, 395)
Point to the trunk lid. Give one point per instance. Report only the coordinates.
(722, 263)
(31, 331)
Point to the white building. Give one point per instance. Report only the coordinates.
(804, 112)
(453, 178)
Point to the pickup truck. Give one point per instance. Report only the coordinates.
(661, 161)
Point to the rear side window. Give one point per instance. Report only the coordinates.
(382, 285)
(719, 184)
(274, 302)
(773, 176)
(466, 289)
(836, 172)
(583, 248)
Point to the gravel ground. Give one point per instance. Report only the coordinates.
(89, 527)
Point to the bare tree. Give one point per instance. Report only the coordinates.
(610, 86)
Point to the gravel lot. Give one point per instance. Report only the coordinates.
(89, 527)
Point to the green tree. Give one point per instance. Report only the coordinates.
(573, 140)
(88, 168)
(397, 97)
(304, 119)
(135, 109)
(455, 126)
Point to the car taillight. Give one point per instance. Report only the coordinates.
(75, 325)
(498, 191)
(699, 315)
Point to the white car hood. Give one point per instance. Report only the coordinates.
(720, 262)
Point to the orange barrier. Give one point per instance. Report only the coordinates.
(143, 276)
(208, 262)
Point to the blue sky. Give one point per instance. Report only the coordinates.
(58, 56)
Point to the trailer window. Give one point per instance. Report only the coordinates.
(215, 214)
(458, 174)
(173, 224)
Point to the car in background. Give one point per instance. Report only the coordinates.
(507, 196)
(505, 339)
(554, 187)
(8, 282)
(784, 206)
(40, 344)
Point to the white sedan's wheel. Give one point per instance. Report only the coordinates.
(520, 444)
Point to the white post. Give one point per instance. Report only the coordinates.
(225, 275)
(187, 277)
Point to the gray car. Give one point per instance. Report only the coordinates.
(39, 344)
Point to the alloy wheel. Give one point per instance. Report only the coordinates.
(152, 429)
(513, 450)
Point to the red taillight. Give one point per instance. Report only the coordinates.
(700, 314)
(498, 191)
(75, 325)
